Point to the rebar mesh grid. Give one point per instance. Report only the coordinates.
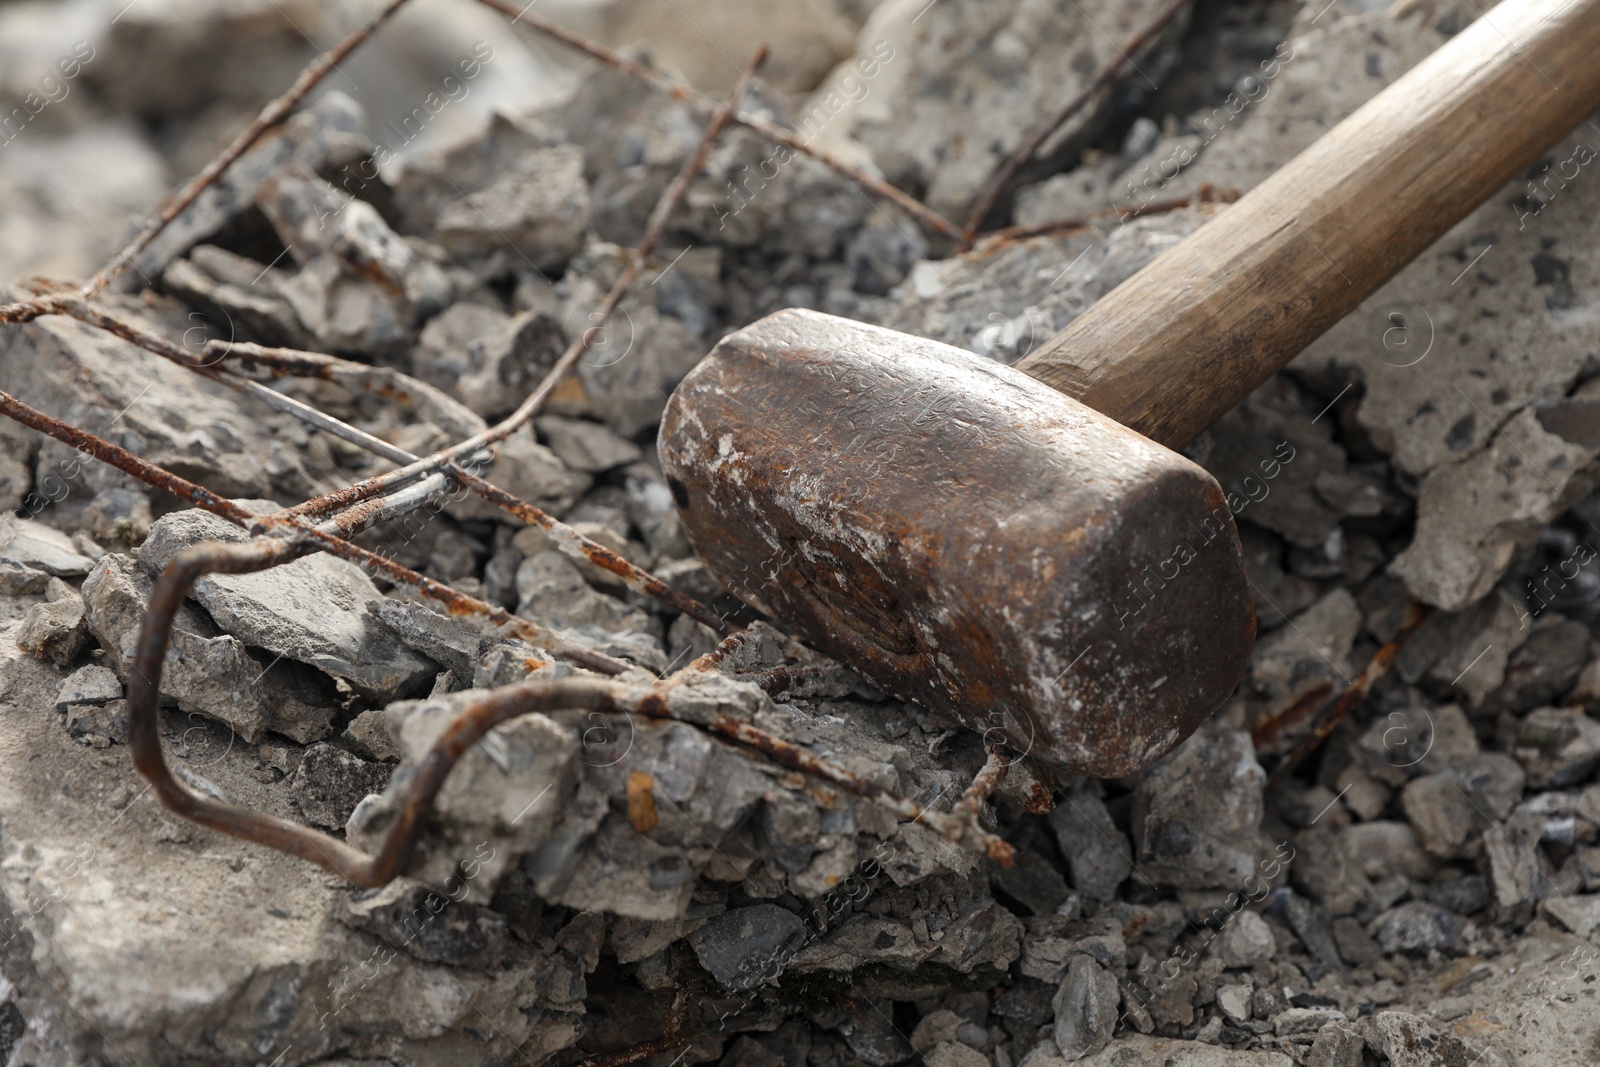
(327, 523)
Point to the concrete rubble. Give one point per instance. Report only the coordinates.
(1424, 890)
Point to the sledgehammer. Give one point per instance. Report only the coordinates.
(1020, 547)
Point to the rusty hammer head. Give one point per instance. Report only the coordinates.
(964, 535)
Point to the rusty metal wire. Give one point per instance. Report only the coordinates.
(706, 106)
(327, 522)
(1108, 72)
(1336, 712)
(1206, 194)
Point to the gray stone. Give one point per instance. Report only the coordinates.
(504, 366)
(651, 508)
(1197, 813)
(41, 547)
(1324, 871)
(1467, 650)
(427, 925)
(1507, 489)
(119, 515)
(977, 934)
(1518, 873)
(1314, 927)
(99, 725)
(1139, 1050)
(1408, 1041)
(229, 288)
(1443, 815)
(316, 221)
(1580, 914)
(1383, 847)
(872, 1036)
(1233, 1000)
(1464, 895)
(368, 733)
(502, 800)
(327, 134)
(330, 782)
(1004, 302)
(532, 540)
(954, 1054)
(1544, 668)
(1268, 455)
(1305, 1020)
(1493, 780)
(632, 367)
(999, 69)
(1418, 927)
(345, 311)
(1288, 661)
(1032, 882)
(1362, 795)
(1085, 1008)
(586, 446)
(1356, 947)
(1413, 739)
(19, 579)
(1338, 1044)
(446, 351)
(554, 593)
(207, 672)
(1047, 955)
(935, 1027)
(452, 642)
(1587, 860)
(166, 414)
(1557, 746)
(541, 212)
(742, 947)
(1245, 941)
(1281, 594)
(313, 609)
(54, 630)
(1099, 856)
(92, 684)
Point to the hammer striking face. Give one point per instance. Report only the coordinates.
(964, 535)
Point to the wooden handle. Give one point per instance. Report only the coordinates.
(1175, 346)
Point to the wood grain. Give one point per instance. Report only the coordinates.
(1175, 346)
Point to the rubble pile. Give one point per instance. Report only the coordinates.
(1424, 889)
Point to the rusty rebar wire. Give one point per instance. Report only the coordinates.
(1350, 699)
(987, 780)
(705, 105)
(298, 529)
(1206, 194)
(481, 715)
(565, 538)
(399, 842)
(660, 216)
(271, 115)
(1108, 72)
(210, 364)
(288, 534)
(957, 829)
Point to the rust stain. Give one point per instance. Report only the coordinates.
(1040, 800)
(642, 801)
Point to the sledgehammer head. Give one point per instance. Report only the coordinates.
(964, 535)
